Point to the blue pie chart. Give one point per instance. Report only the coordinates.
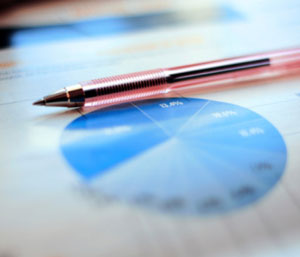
(177, 155)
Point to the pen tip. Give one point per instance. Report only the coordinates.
(39, 102)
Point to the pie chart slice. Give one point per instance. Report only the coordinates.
(177, 155)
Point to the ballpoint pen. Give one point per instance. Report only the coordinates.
(159, 82)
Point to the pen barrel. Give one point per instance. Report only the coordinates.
(194, 78)
(125, 88)
(286, 63)
(233, 72)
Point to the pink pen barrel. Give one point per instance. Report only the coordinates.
(286, 62)
(125, 88)
(252, 68)
(198, 77)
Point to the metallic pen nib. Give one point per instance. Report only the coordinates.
(72, 96)
(40, 102)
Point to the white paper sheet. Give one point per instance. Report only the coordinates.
(51, 207)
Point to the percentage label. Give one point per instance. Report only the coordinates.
(116, 130)
(224, 114)
(251, 132)
(171, 104)
(262, 166)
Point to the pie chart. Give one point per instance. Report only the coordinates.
(177, 155)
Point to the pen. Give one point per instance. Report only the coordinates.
(146, 84)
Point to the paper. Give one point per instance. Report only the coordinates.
(213, 174)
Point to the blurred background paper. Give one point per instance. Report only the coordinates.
(215, 174)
